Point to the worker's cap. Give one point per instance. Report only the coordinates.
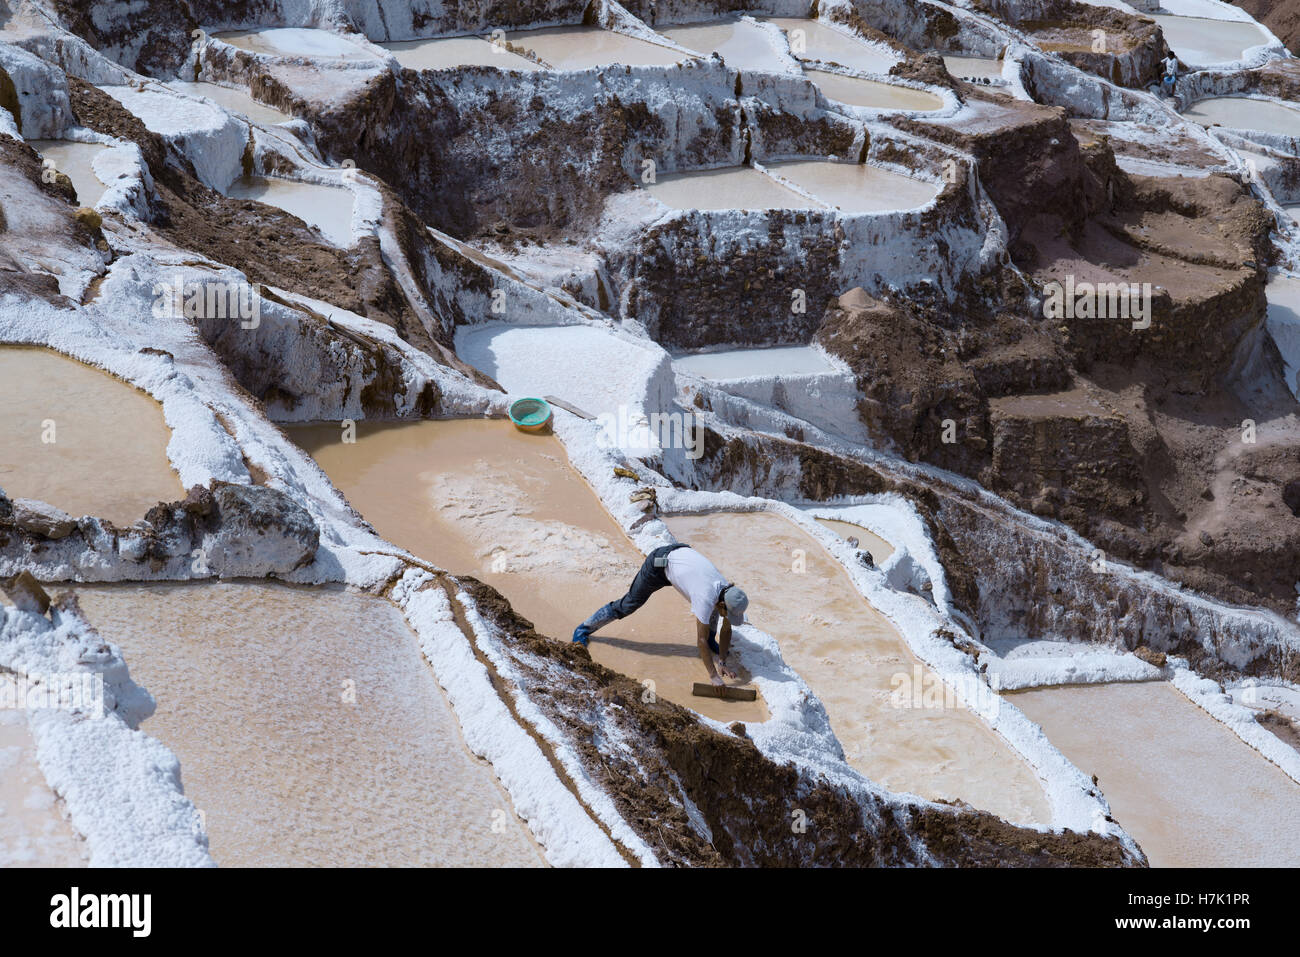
(736, 601)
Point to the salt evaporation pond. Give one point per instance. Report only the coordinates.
(862, 670)
(328, 208)
(1200, 41)
(310, 730)
(743, 44)
(447, 53)
(234, 100)
(1190, 791)
(33, 829)
(974, 67)
(868, 541)
(821, 42)
(81, 440)
(295, 42)
(746, 363)
(478, 497)
(1246, 113)
(856, 187)
(734, 187)
(558, 360)
(871, 94)
(1284, 325)
(76, 160)
(579, 48)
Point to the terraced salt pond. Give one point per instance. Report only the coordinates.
(856, 187)
(732, 364)
(1200, 41)
(447, 53)
(33, 829)
(478, 497)
(235, 100)
(871, 94)
(854, 660)
(310, 729)
(973, 67)
(539, 360)
(734, 187)
(849, 187)
(868, 541)
(1246, 113)
(578, 48)
(744, 45)
(812, 40)
(76, 160)
(295, 42)
(328, 208)
(80, 439)
(1190, 791)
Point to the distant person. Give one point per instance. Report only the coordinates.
(716, 603)
(1170, 79)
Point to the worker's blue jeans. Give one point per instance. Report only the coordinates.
(648, 580)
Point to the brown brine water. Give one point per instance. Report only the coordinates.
(861, 669)
(478, 497)
(1190, 791)
(309, 728)
(80, 439)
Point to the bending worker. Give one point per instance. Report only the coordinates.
(716, 603)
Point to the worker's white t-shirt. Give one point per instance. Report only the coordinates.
(699, 582)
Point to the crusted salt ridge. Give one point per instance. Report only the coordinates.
(122, 788)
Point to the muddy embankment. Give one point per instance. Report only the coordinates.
(704, 798)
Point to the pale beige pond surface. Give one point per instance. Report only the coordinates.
(856, 91)
(868, 541)
(450, 52)
(80, 439)
(733, 187)
(578, 48)
(237, 101)
(76, 160)
(309, 727)
(1246, 113)
(1201, 41)
(855, 660)
(296, 42)
(328, 208)
(1190, 791)
(33, 829)
(811, 40)
(478, 497)
(856, 187)
(974, 66)
(742, 44)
